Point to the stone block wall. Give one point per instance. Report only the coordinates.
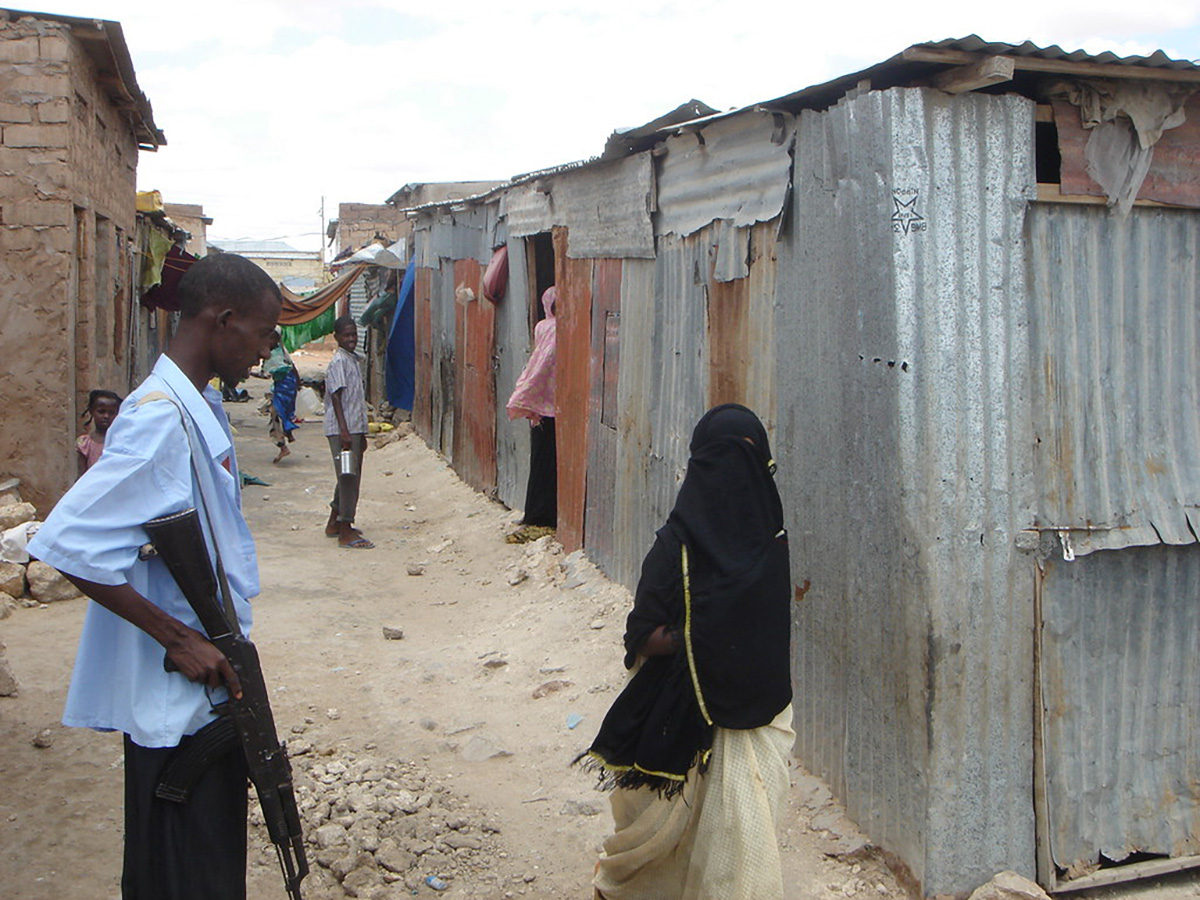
(358, 223)
(68, 160)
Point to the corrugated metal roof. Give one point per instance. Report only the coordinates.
(1029, 50)
(917, 63)
(912, 66)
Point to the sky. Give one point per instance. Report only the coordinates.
(272, 108)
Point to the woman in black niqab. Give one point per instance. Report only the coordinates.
(711, 622)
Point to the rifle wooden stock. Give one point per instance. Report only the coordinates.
(179, 542)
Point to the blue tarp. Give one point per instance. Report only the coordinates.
(401, 345)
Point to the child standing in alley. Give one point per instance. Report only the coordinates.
(102, 408)
(346, 429)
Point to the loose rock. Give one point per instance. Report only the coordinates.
(46, 585)
(393, 634)
(9, 686)
(481, 747)
(15, 514)
(550, 687)
(12, 579)
(1009, 886)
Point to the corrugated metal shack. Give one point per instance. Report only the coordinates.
(982, 386)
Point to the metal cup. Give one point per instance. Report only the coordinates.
(347, 463)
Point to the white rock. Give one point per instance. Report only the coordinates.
(481, 747)
(47, 585)
(16, 514)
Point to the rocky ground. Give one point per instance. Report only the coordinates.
(433, 692)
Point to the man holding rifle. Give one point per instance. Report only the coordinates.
(145, 665)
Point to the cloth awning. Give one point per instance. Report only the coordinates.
(299, 309)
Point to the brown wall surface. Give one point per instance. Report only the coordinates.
(68, 159)
(358, 223)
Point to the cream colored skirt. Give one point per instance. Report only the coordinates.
(715, 840)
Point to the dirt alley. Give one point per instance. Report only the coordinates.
(503, 645)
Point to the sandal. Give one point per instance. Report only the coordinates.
(359, 543)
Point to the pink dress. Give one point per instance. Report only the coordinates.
(90, 447)
(533, 397)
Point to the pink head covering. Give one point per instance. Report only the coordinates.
(533, 397)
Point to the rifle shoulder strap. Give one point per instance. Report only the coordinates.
(206, 488)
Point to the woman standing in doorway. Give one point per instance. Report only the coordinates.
(533, 399)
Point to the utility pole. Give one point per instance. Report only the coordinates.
(324, 271)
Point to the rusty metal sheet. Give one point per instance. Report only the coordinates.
(572, 389)
(423, 326)
(526, 208)
(1174, 175)
(607, 207)
(1120, 697)
(1114, 326)
(732, 251)
(475, 385)
(602, 484)
(738, 168)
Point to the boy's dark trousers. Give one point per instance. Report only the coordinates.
(195, 850)
(345, 491)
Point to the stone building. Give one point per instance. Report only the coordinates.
(72, 120)
(358, 224)
(191, 218)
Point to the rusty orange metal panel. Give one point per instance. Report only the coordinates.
(1172, 176)
(423, 321)
(572, 389)
(602, 419)
(474, 379)
(728, 334)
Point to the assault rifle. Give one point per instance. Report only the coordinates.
(178, 541)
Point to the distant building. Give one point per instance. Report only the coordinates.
(190, 217)
(358, 224)
(72, 120)
(297, 270)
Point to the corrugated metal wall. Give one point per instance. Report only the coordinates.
(513, 346)
(1116, 388)
(1118, 349)
(1121, 657)
(903, 393)
(904, 448)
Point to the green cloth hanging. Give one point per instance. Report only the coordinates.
(295, 336)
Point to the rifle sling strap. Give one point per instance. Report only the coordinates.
(196, 444)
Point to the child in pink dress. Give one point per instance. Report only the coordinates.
(101, 410)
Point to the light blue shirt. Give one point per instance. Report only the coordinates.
(95, 532)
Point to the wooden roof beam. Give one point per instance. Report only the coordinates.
(971, 77)
(1055, 66)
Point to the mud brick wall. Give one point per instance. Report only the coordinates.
(68, 159)
(358, 223)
